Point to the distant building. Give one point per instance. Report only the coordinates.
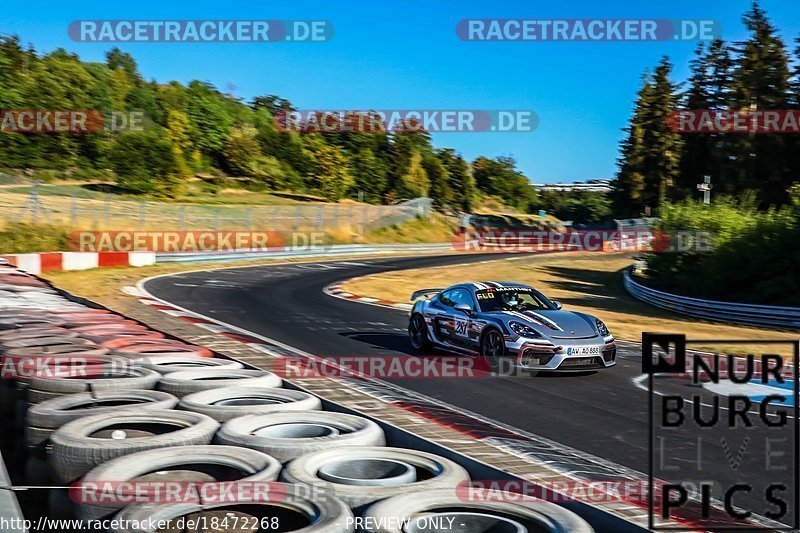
(591, 185)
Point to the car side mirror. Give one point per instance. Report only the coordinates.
(557, 304)
(463, 307)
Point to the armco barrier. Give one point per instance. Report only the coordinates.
(302, 251)
(36, 263)
(747, 314)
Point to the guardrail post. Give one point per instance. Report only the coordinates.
(73, 210)
(142, 213)
(350, 218)
(106, 211)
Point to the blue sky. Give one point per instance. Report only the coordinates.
(406, 55)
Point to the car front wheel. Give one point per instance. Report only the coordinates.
(493, 349)
(418, 333)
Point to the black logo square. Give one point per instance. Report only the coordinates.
(670, 343)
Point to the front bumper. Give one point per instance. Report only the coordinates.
(538, 355)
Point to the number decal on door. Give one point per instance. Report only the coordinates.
(461, 327)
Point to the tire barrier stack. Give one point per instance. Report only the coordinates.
(125, 406)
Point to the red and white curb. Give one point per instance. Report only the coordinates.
(335, 290)
(36, 263)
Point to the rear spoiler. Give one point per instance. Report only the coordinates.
(424, 292)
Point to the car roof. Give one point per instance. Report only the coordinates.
(483, 285)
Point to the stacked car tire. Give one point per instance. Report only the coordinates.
(123, 404)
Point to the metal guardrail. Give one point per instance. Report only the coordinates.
(737, 313)
(277, 253)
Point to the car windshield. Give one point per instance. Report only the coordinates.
(512, 300)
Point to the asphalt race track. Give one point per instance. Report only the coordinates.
(604, 414)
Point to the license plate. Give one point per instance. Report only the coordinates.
(584, 350)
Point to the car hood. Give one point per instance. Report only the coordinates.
(558, 324)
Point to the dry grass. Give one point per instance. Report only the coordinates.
(582, 282)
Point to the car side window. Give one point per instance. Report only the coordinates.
(445, 299)
(461, 296)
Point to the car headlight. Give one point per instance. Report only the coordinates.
(521, 329)
(601, 327)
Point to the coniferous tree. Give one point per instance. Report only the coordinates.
(709, 89)
(760, 82)
(650, 154)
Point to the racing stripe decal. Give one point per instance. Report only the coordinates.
(520, 315)
(545, 320)
(479, 286)
(494, 284)
(529, 315)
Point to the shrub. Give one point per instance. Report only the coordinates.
(21, 237)
(755, 256)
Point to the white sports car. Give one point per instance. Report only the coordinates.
(510, 325)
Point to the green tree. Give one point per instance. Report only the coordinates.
(211, 121)
(369, 175)
(330, 175)
(241, 150)
(273, 104)
(144, 162)
(500, 177)
(709, 88)
(439, 191)
(178, 132)
(650, 154)
(403, 146)
(415, 182)
(459, 179)
(116, 59)
(760, 82)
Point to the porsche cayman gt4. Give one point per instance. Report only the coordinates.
(510, 325)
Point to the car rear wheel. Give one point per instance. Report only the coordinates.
(493, 349)
(418, 333)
